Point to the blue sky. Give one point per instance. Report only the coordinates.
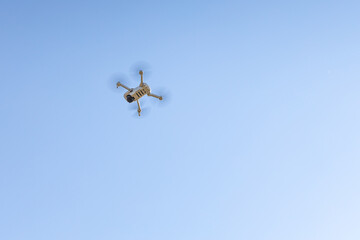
(259, 141)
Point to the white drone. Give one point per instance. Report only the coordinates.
(134, 94)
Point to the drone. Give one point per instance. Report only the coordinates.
(134, 94)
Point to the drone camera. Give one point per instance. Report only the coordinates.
(130, 98)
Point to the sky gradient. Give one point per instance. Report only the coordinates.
(260, 139)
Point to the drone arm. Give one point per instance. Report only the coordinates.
(155, 96)
(118, 84)
(139, 108)
(142, 80)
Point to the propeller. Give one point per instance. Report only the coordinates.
(133, 107)
(165, 94)
(112, 82)
(140, 66)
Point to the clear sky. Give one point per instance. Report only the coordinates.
(259, 141)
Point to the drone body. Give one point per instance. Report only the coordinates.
(134, 94)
